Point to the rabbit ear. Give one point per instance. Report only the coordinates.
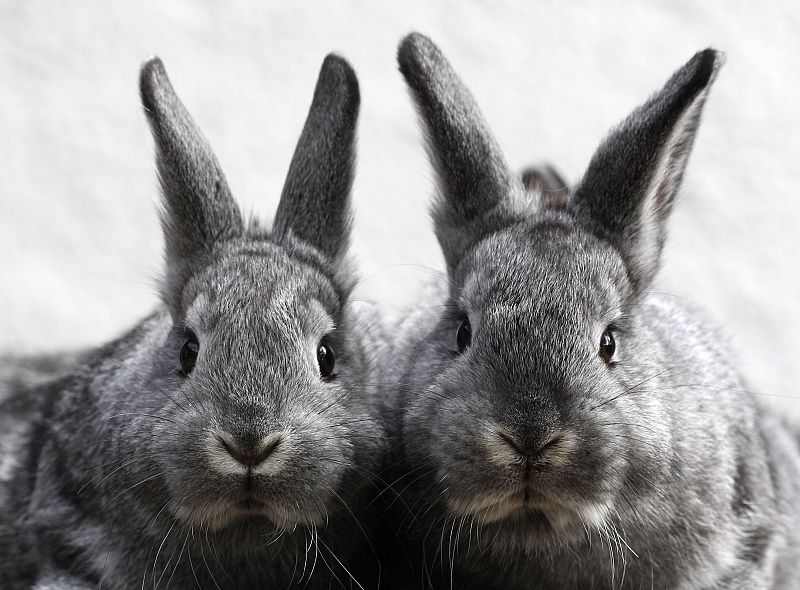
(629, 188)
(475, 184)
(199, 211)
(315, 203)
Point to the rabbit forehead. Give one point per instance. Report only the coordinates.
(547, 270)
(263, 286)
(278, 315)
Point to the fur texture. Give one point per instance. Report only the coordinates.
(249, 470)
(530, 457)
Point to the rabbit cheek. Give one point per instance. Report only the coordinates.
(591, 481)
(474, 482)
(628, 430)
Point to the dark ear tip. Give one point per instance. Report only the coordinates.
(714, 57)
(152, 79)
(414, 51)
(705, 65)
(414, 43)
(339, 76)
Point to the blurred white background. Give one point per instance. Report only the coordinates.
(80, 246)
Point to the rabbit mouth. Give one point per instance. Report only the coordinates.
(490, 508)
(518, 512)
(249, 504)
(555, 518)
(522, 508)
(220, 514)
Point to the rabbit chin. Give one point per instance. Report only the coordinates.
(520, 512)
(218, 514)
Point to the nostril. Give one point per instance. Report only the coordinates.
(247, 453)
(531, 449)
(551, 442)
(512, 442)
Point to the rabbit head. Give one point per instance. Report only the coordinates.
(519, 400)
(258, 376)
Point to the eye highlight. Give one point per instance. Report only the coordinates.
(189, 352)
(326, 360)
(464, 335)
(607, 346)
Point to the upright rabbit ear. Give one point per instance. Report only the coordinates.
(476, 188)
(627, 193)
(199, 211)
(315, 203)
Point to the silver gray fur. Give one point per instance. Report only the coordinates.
(528, 462)
(115, 474)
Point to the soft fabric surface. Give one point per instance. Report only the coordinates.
(80, 245)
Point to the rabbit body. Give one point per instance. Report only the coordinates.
(216, 444)
(555, 423)
(90, 491)
(701, 482)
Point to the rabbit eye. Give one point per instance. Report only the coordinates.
(607, 346)
(188, 354)
(464, 336)
(325, 359)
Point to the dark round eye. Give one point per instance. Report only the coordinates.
(189, 352)
(464, 336)
(607, 345)
(325, 359)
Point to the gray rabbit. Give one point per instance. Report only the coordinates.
(558, 425)
(232, 438)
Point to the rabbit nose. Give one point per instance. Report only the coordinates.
(530, 449)
(249, 450)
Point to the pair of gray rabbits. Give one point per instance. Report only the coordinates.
(539, 420)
